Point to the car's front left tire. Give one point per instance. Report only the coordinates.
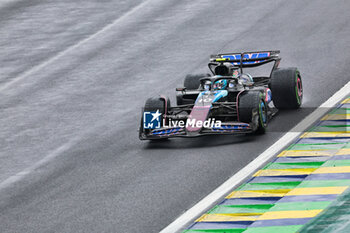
(152, 105)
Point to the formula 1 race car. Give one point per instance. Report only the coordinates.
(229, 101)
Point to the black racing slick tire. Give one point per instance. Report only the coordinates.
(253, 110)
(156, 103)
(152, 105)
(287, 88)
(192, 81)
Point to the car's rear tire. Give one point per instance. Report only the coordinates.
(191, 82)
(152, 105)
(253, 109)
(287, 88)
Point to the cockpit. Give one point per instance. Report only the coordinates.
(227, 76)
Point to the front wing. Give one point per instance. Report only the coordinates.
(225, 129)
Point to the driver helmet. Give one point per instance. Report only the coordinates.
(246, 78)
(220, 84)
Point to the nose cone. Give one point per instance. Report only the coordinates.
(197, 117)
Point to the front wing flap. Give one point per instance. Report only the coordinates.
(226, 128)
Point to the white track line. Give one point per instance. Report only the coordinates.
(73, 47)
(60, 150)
(181, 222)
(53, 154)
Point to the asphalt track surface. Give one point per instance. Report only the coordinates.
(75, 74)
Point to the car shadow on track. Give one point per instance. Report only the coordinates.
(199, 142)
(283, 122)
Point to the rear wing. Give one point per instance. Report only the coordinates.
(247, 59)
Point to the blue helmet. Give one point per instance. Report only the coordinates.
(220, 85)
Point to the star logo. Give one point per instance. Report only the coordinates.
(156, 115)
(152, 120)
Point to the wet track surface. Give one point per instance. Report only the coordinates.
(73, 80)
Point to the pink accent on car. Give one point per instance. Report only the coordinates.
(198, 113)
(166, 106)
(237, 104)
